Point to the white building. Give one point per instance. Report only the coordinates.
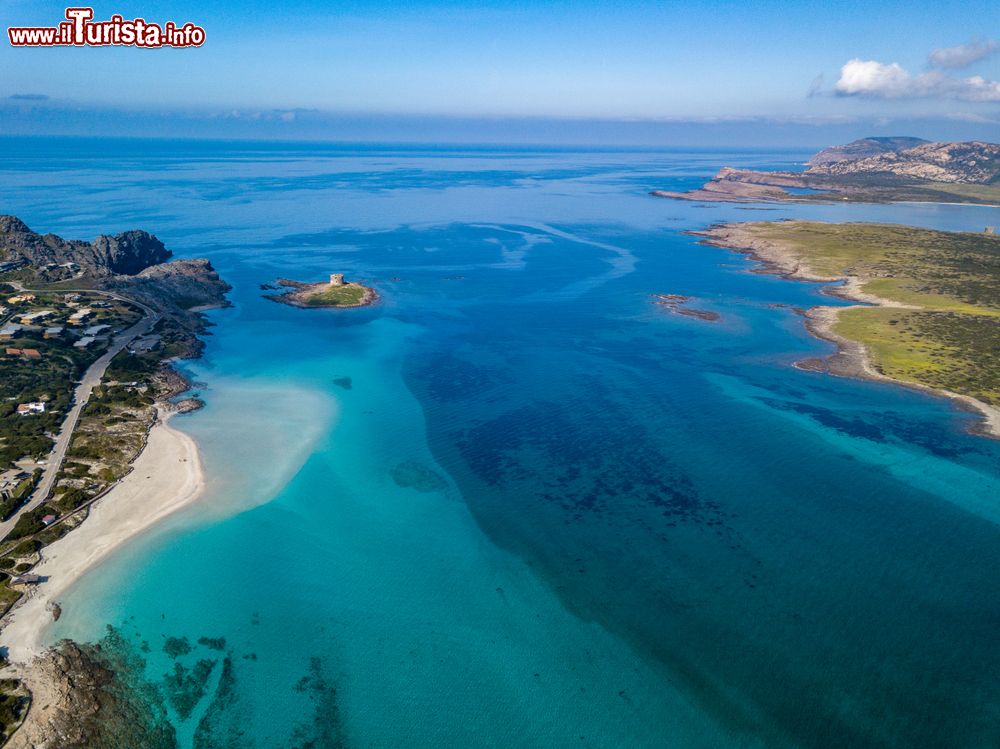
(80, 315)
(33, 317)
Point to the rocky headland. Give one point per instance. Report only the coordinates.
(868, 170)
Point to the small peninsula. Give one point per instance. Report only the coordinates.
(336, 293)
(929, 312)
(869, 170)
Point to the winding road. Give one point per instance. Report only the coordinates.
(91, 378)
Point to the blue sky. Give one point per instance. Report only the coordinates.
(303, 61)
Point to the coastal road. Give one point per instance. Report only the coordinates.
(91, 378)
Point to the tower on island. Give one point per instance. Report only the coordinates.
(336, 279)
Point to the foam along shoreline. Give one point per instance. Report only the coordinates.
(166, 476)
(852, 358)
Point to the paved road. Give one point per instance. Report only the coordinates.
(81, 395)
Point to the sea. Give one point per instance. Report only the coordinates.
(517, 503)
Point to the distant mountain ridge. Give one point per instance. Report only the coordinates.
(971, 162)
(863, 148)
(869, 170)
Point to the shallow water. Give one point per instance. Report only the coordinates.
(516, 503)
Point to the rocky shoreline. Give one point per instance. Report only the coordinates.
(852, 358)
(76, 693)
(83, 700)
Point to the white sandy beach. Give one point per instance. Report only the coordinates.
(166, 476)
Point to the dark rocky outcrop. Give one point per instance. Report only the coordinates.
(134, 264)
(129, 253)
(95, 700)
(175, 287)
(50, 256)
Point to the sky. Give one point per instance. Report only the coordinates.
(430, 68)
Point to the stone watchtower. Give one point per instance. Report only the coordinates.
(336, 279)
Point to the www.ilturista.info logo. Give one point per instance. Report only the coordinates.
(80, 30)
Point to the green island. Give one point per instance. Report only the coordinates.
(333, 293)
(932, 299)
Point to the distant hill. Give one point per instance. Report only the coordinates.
(133, 263)
(863, 148)
(870, 170)
(973, 162)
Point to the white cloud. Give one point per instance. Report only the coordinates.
(879, 80)
(872, 78)
(972, 117)
(963, 55)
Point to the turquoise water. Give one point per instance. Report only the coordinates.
(517, 504)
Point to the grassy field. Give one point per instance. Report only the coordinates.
(348, 295)
(963, 192)
(918, 192)
(951, 339)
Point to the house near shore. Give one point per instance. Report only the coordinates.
(9, 331)
(48, 520)
(28, 579)
(27, 409)
(32, 317)
(24, 353)
(10, 481)
(79, 316)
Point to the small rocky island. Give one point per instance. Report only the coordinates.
(333, 293)
(677, 304)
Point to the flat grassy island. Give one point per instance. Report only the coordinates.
(932, 299)
(334, 293)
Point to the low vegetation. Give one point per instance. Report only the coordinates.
(946, 331)
(348, 295)
(112, 427)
